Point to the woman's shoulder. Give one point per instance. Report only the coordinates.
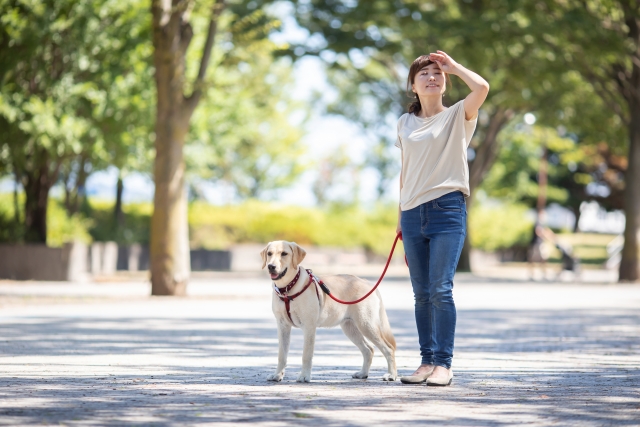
(454, 111)
(457, 106)
(402, 119)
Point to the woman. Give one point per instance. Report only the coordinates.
(432, 215)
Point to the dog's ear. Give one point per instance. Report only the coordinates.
(263, 254)
(298, 254)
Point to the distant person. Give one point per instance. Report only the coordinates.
(542, 238)
(537, 253)
(432, 215)
(569, 261)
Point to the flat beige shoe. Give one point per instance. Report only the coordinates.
(441, 381)
(416, 379)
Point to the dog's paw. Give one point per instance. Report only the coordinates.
(388, 377)
(360, 375)
(276, 377)
(304, 378)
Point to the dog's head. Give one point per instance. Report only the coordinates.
(281, 257)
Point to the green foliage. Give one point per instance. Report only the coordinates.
(517, 45)
(136, 220)
(514, 177)
(241, 132)
(74, 76)
(216, 227)
(68, 76)
(10, 230)
(503, 226)
(369, 47)
(62, 227)
(492, 227)
(77, 95)
(590, 248)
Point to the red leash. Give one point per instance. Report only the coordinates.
(328, 292)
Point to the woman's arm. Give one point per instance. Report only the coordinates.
(479, 86)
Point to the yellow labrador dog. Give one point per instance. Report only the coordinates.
(363, 323)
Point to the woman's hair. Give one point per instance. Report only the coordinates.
(418, 64)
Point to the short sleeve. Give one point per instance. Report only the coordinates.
(398, 139)
(469, 125)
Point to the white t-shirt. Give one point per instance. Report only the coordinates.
(434, 155)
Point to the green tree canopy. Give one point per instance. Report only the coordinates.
(58, 112)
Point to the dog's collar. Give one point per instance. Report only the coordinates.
(286, 289)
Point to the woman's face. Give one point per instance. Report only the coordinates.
(429, 81)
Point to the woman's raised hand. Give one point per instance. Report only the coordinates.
(444, 61)
(479, 86)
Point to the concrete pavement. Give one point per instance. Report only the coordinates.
(108, 354)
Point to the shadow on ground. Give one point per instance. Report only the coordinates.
(604, 391)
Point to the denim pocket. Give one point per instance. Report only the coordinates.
(453, 205)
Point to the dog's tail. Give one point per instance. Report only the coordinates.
(385, 327)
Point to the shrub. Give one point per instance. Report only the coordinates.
(499, 227)
(61, 228)
(134, 229)
(217, 227)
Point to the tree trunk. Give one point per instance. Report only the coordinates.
(169, 246)
(487, 151)
(74, 184)
(577, 212)
(170, 263)
(629, 265)
(36, 189)
(16, 201)
(464, 264)
(486, 155)
(117, 210)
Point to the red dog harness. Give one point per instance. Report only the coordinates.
(282, 293)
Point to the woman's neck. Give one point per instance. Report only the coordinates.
(430, 106)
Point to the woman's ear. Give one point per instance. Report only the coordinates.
(263, 254)
(298, 254)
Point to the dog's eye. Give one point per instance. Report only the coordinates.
(269, 253)
(284, 254)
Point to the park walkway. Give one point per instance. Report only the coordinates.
(107, 354)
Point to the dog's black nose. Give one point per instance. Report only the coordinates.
(271, 267)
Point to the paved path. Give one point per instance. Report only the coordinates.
(106, 354)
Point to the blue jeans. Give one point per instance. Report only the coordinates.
(433, 234)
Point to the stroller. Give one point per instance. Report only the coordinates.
(569, 262)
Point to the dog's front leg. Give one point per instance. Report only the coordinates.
(284, 338)
(307, 354)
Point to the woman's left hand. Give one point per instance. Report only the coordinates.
(444, 61)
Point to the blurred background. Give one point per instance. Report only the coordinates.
(291, 110)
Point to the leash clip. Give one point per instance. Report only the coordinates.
(319, 283)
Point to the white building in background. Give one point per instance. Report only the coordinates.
(559, 217)
(595, 219)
